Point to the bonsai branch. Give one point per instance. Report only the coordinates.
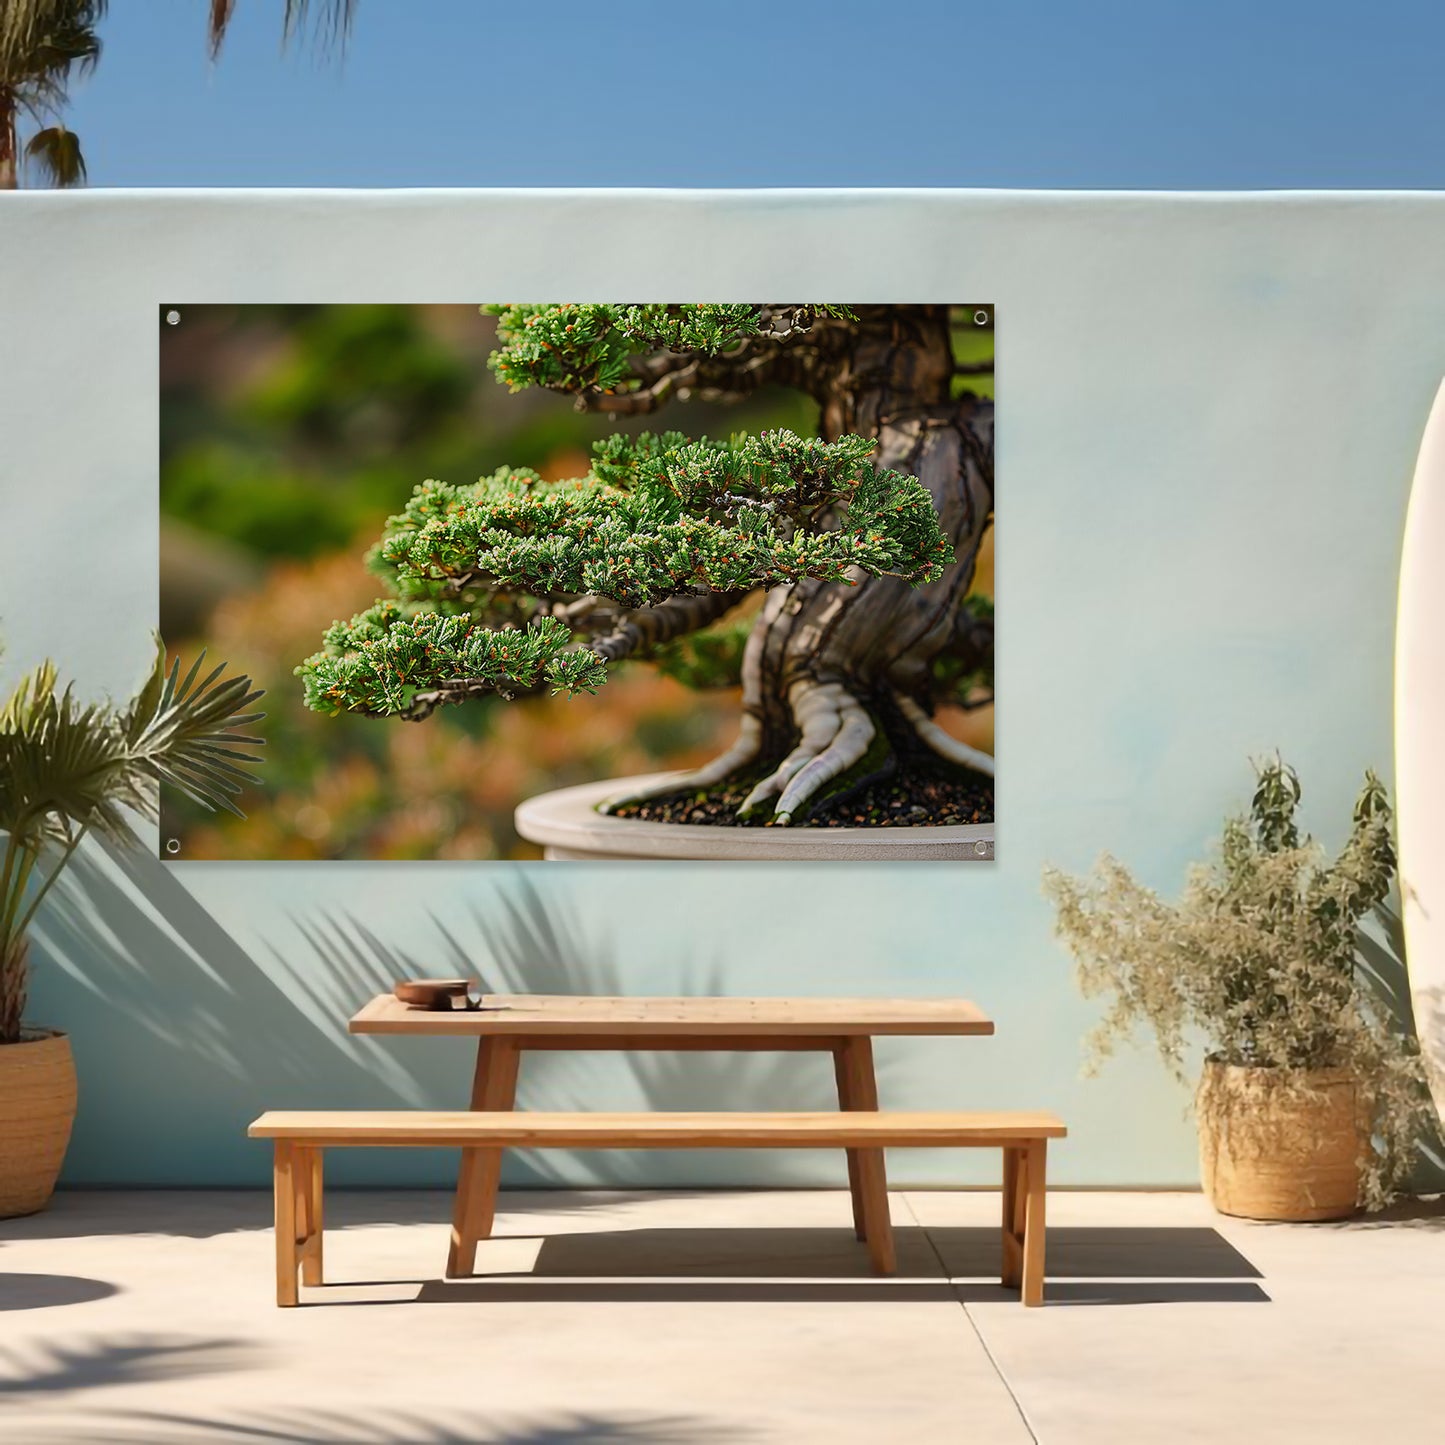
(648, 627)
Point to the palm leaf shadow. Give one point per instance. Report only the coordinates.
(524, 944)
(311, 1426)
(64, 1368)
(1381, 960)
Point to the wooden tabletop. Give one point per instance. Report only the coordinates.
(590, 1014)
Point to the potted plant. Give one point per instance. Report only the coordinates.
(1311, 1099)
(68, 770)
(829, 575)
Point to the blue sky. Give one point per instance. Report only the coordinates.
(1091, 93)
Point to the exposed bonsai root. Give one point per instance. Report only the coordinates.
(836, 731)
(742, 752)
(939, 741)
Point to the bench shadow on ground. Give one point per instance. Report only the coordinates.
(799, 1265)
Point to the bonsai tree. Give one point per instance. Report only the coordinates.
(865, 538)
(68, 770)
(1258, 961)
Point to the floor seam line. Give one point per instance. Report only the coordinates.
(989, 1355)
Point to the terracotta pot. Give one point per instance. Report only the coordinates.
(37, 1108)
(1277, 1144)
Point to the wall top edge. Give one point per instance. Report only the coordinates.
(871, 195)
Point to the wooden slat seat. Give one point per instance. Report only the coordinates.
(300, 1137)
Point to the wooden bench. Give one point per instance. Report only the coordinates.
(301, 1138)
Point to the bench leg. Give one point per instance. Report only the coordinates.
(287, 1261)
(1013, 1219)
(866, 1173)
(1033, 1265)
(309, 1188)
(494, 1089)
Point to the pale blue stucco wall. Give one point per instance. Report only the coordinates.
(1209, 407)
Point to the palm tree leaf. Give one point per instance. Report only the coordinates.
(26, 24)
(201, 776)
(30, 693)
(183, 691)
(332, 28)
(145, 703)
(179, 741)
(55, 151)
(63, 762)
(217, 24)
(211, 793)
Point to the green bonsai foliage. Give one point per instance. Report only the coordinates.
(486, 576)
(1258, 961)
(514, 584)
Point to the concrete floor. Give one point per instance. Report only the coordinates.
(691, 1317)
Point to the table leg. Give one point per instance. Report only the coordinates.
(866, 1172)
(494, 1089)
(1013, 1244)
(845, 1102)
(287, 1261)
(313, 1207)
(1032, 1284)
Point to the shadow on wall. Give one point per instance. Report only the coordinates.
(172, 1019)
(530, 947)
(175, 1021)
(1382, 957)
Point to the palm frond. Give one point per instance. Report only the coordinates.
(29, 28)
(329, 22)
(30, 695)
(188, 733)
(55, 152)
(217, 24)
(63, 767)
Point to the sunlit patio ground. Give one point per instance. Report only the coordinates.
(681, 1317)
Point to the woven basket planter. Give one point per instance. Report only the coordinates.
(1279, 1148)
(37, 1108)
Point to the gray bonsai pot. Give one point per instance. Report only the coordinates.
(568, 826)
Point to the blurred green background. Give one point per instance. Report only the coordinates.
(288, 435)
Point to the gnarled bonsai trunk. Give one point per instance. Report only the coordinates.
(836, 677)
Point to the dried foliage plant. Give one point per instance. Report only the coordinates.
(1259, 959)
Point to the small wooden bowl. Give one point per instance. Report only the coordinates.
(431, 993)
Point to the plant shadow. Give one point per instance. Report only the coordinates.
(46, 1291)
(1381, 958)
(63, 1369)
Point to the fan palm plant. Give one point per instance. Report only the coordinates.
(68, 770)
(44, 45)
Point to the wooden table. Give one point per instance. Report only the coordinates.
(843, 1027)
